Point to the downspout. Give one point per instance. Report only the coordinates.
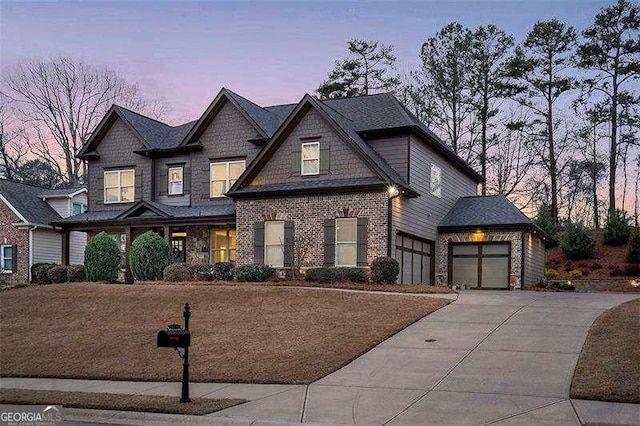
(523, 256)
(31, 250)
(153, 178)
(389, 224)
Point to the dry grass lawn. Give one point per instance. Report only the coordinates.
(609, 366)
(119, 402)
(239, 334)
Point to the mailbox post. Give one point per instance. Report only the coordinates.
(177, 337)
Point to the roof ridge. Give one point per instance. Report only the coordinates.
(142, 115)
(246, 99)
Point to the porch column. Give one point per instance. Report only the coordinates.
(167, 233)
(65, 247)
(128, 276)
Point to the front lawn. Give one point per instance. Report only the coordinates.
(239, 334)
(609, 366)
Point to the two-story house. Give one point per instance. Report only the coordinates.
(26, 234)
(337, 182)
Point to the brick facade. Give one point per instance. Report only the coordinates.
(11, 235)
(308, 214)
(442, 259)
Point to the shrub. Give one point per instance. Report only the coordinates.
(222, 271)
(76, 273)
(551, 274)
(255, 272)
(617, 231)
(548, 224)
(176, 272)
(33, 271)
(201, 271)
(585, 272)
(102, 258)
(633, 249)
(150, 254)
(541, 284)
(632, 270)
(40, 273)
(595, 266)
(384, 270)
(577, 241)
(330, 274)
(57, 274)
(575, 273)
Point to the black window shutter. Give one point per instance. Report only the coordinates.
(363, 223)
(186, 178)
(329, 242)
(14, 259)
(289, 242)
(206, 182)
(258, 242)
(99, 199)
(164, 180)
(138, 184)
(296, 166)
(325, 158)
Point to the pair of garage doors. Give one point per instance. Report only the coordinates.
(480, 265)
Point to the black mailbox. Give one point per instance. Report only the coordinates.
(174, 338)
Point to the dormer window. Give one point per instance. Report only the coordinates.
(310, 158)
(119, 186)
(176, 180)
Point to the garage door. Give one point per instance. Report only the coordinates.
(485, 265)
(415, 256)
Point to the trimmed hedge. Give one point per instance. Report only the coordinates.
(150, 254)
(76, 273)
(57, 274)
(253, 273)
(102, 258)
(176, 272)
(384, 270)
(40, 272)
(201, 271)
(331, 274)
(223, 271)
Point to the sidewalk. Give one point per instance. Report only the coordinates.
(498, 358)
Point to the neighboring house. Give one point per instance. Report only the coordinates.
(337, 182)
(26, 234)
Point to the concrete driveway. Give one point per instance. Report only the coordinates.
(490, 357)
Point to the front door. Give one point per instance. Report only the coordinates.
(178, 245)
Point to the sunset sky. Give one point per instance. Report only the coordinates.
(270, 52)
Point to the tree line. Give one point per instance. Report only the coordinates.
(544, 120)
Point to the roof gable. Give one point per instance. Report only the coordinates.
(341, 126)
(26, 203)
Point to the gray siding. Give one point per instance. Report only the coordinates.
(116, 151)
(534, 259)
(77, 243)
(225, 137)
(47, 246)
(421, 215)
(344, 162)
(395, 151)
(60, 205)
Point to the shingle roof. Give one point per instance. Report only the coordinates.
(309, 185)
(52, 193)
(479, 211)
(155, 133)
(26, 200)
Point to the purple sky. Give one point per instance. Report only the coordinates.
(270, 52)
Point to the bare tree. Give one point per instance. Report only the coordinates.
(61, 100)
(12, 147)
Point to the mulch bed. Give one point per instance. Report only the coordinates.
(119, 402)
(609, 366)
(391, 288)
(239, 334)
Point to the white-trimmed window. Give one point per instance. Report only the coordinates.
(119, 186)
(6, 259)
(436, 181)
(78, 208)
(223, 175)
(346, 242)
(274, 243)
(310, 160)
(176, 180)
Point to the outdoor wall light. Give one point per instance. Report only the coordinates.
(634, 283)
(478, 235)
(393, 191)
